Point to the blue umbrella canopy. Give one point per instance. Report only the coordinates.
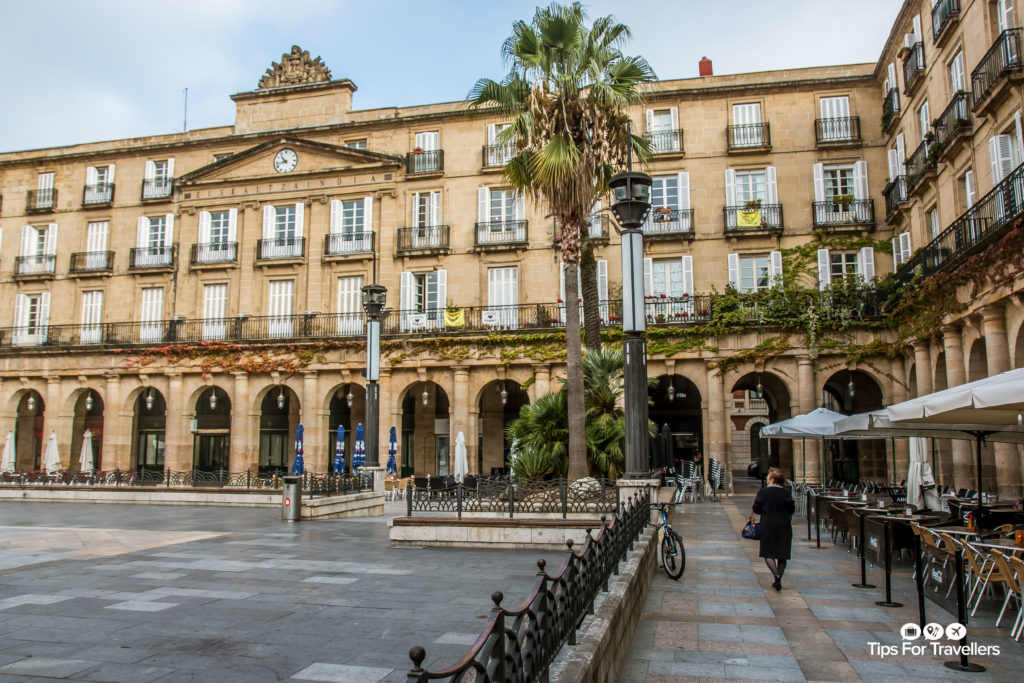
(392, 452)
(298, 467)
(339, 451)
(359, 449)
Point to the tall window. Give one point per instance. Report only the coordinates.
(838, 181)
(843, 264)
(503, 208)
(46, 196)
(215, 299)
(284, 223)
(933, 222)
(350, 226)
(956, 74)
(38, 249)
(96, 245)
(662, 125)
(159, 175)
(426, 218)
(220, 225)
(425, 152)
(350, 310)
(924, 119)
(423, 298)
(92, 314)
(498, 154)
(667, 278)
(755, 273)
(31, 317)
(502, 297)
(750, 186)
(748, 131)
(281, 297)
(151, 313)
(665, 191)
(835, 118)
(157, 232)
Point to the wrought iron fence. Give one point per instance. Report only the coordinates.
(668, 223)
(1003, 56)
(157, 188)
(913, 67)
(496, 155)
(769, 216)
(857, 212)
(837, 130)
(665, 141)
(497, 233)
(214, 252)
(36, 264)
(520, 644)
(91, 261)
(919, 163)
(152, 257)
(895, 194)
(424, 238)
(425, 161)
(943, 12)
(280, 248)
(954, 120)
(98, 194)
(890, 107)
(511, 495)
(41, 200)
(749, 135)
(340, 243)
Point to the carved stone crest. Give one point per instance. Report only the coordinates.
(295, 68)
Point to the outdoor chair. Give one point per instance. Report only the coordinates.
(993, 574)
(931, 550)
(1012, 585)
(1018, 568)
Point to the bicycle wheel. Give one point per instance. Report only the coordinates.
(673, 554)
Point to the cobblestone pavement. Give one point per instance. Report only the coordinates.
(723, 621)
(145, 593)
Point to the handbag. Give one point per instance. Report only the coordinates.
(752, 530)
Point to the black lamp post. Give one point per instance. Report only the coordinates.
(374, 296)
(631, 202)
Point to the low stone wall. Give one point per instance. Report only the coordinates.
(603, 647)
(494, 532)
(367, 504)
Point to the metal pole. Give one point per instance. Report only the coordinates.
(372, 423)
(637, 459)
(863, 557)
(886, 539)
(919, 581)
(961, 616)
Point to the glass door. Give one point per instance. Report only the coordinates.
(443, 461)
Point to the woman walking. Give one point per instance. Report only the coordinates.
(775, 505)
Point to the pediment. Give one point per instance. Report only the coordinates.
(257, 163)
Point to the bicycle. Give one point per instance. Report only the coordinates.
(673, 553)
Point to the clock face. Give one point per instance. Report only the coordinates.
(285, 161)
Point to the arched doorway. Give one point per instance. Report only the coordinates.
(347, 408)
(1018, 349)
(912, 381)
(977, 362)
(500, 402)
(279, 419)
(426, 438)
(675, 401)
(28, 431)
(849, 392)
(211, 445)
(150, 418)
(758, 446)
(88, 417)
(760, 398)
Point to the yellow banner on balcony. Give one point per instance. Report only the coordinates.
(748, 219)
(454, 318)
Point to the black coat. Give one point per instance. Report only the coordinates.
(776, 508)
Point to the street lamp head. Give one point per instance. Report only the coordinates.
(349, 398)
(504, 396)
(213, 399)
(280, 399)
(425, 397)
(374, 297)
(850, 389)
(671, 393)
(149, 399)
(31, 403)
(631, 198)
(88, 401)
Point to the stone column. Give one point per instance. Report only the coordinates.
(923, 363)
(243, 455)
(963, 461)
(542, 383)
(460, 413)
(718, 423)
(901, 446)
(312, 456)
(178, 445)
(808, 402)
(386, 412)
(57, 421)
(117, 452)
(997, 347)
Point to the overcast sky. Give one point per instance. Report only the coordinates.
(85, 71)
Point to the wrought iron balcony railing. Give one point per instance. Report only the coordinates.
(943, 14)
(276, 248)
(890, 107)
(92, 262)
(98, 195)
(427, 161)
(742, 219)
(152, 257)
(920, 163)
(431, 238)
(955, 120)
(35, 264)
(213, 252)
(830, 214)
(895, 194)
(341, 243)
(496, 156)
(837, 131)
(665, 141)
(671, 223)
(39, 201)
(501, 233)
(157, 188)
(989, 218)
(913, 67)
(1001, 59)
(749, 136)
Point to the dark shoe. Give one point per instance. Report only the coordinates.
(778, 584)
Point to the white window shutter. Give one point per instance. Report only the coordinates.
(406, 294)
(1020, 139)
(169, 231)
(44, 310)
(771, 184)
(649, 120)
(435, 208)
(917, 28)
(684, 191)
(602, 280)
(442, 288)
(300, 208)
(367, 225)
(674, 113)
(170, 168)
(860, 180)
(892, 75)
(90, 175)
(483, 204)
(730, 187)
(867, 263)
(819, 182)
(142, 232)
(901, 155)
(905, 247)
(110, 174)
(51, 239)
(415, 210)
(520, 207)
(824, 269)
(150, 172)
(926, 123)
(894, 164)
(734, 271)
(561, 280)
(28, 243)
(648, 276)
(969, 188)
(491, 131)
(269, 216)
(204, 227)
(1005, 15)
(775, 268)
(232, 225)
(1000, 148)
(687, 274)
(336, 213)
(20, 310)
(895, 254)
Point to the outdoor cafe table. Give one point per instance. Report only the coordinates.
(1003, 544)
(822, 510)
(882, 535)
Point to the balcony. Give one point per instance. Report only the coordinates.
(751, 137)
(666, 223)
(41, 201)
(152, 258)
(989, 219)
(838, 132)
(945, 15)
(426, 161)
(157, 188)
(895, 194)
(496, 156)
(280, 248)
(742, 220)
(35, 266)
(1000, 65)
(434, 239)
(493, 235)
(92, 263)
(665, 141)
(920, 165)
(340, 244)
(953, 126)
(890, 109)
(858, 214)
(213, 253)
(913, 68)
(98, 195)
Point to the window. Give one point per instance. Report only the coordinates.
(38, 249)
(31, 317)
(747, 130)
(151, 313)
(284, 222)
(46, 196)
(502, 297)
(969, 192)
(933, 222)
(843, 264)
(96, 245)
(99, 184)
(500, 216)
(838, 181)
(282, 231)
(281, 298)
(835, 118)
(759, 185)
(154, 240)
(923, 119)
(498, 154)
(754, 273)
(662, 127)
(426, 209)
(356, 144)
(92, 313)
(423, 297)
(159, 177)
(351, 226)
(426, 155)
(216, 237)
(750, 186)
(220, 222)
(215, 299)
(900, 249)
(665, 192)
(957, 82)
(350, 309)
(833, 265)
(667, 278)
(221, 157)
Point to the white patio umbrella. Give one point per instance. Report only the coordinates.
(85, 461)
(920, 479)
(7, 462)
(996, 401)
(51, 458)
(820, 423)
(461, 463)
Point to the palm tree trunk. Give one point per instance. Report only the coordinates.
(591, 296)
(578, 465)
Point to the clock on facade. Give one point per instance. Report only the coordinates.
(285, 160)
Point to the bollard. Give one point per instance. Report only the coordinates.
(291, 499)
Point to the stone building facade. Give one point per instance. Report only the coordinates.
(194, 308)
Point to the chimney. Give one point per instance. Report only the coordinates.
(705, 67)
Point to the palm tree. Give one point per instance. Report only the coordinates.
(567, 95)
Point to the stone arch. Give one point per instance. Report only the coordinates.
(852, 460)
(211, 442)
(148, 408)
(677, 401)
(87, 414)
(30, 414)
(977, 360)
(340, 413)
(494, 414)
(425, 443)
(279, 408)
(772, 402)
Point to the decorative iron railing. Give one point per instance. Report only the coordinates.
(98, 195)
(520, 644)
(890, 107)
(944, 12)
(919, 163)
(1001, 58)
(501, 233)
(913, 67)
(36, 264)
(495, 156)
(668, 223)
(741, 218)
(92, 261)
(895, 194)
(665, 141)
(510, 495)
(213, 252)
(274, 248)
(832, 213)
(749, 136)
(157, 188)
(152, 257)
(341, 243)
(954, 120)
(426, 238)
(426, 161)
(41, 200)
(989, 218)
(837, 131)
